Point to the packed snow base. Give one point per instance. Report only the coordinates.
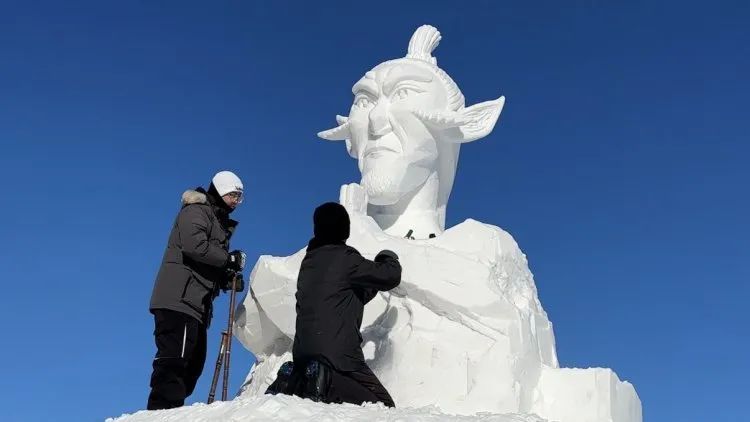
(290, 408)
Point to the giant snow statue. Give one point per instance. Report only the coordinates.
(465, 330)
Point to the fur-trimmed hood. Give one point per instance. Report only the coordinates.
(191, 196)
(200, 196)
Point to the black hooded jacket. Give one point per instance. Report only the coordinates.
(334, 284)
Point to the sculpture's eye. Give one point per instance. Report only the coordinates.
(362, 101)
(402, 93)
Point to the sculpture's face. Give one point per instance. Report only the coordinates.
(395, 151)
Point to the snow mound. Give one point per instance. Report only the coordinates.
(290, 408)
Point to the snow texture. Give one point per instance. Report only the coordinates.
(289, 408)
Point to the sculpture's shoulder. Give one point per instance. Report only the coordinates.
(485, 240)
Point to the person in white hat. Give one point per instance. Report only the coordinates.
(196, 265)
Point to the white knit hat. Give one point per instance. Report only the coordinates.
(226, 182)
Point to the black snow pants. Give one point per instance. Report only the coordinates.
(358, 387)
(320, 382)
(180, 356)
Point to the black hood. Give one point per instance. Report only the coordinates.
(217, 201)
(330, 225)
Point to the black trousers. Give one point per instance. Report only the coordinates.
(318, 381)
(180, 356)
(358, 387)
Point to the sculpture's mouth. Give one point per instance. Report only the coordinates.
(379, 150)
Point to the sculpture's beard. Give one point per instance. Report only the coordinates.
(382, 188)
(386, 181)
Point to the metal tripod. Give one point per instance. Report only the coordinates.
(225, 349)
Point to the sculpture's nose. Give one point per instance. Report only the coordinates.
(379, 123)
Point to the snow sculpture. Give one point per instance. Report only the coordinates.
(465, 331)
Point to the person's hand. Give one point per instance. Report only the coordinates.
(236, 260)
(385, 254)
(239, 284)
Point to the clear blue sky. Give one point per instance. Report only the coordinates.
(620, 165)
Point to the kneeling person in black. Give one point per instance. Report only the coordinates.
(334, 284)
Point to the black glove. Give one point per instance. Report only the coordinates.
(236, 260)
(385, 254)
(239, 284)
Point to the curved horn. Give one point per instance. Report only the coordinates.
(340, 133)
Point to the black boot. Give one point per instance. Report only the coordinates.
(284, 382)
(317, 381)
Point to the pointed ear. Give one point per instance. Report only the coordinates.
(480, 119)
(340, 133)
